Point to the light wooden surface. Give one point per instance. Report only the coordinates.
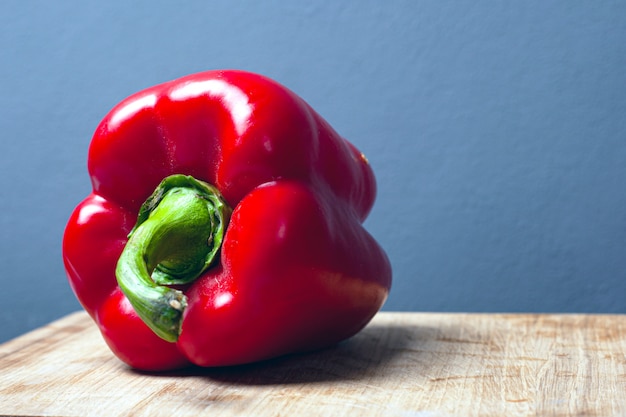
(402, 364)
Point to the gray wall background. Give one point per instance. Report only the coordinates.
(497, 131)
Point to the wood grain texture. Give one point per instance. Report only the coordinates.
(402, 364)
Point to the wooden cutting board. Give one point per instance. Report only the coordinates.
(402, 364)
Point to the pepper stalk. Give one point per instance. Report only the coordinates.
(177, 237)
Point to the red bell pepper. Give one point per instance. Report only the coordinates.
(224, 226)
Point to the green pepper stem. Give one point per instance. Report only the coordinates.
(177, 237)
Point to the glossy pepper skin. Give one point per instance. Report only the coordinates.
(295, 270)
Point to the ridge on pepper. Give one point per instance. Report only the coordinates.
(224, 226)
